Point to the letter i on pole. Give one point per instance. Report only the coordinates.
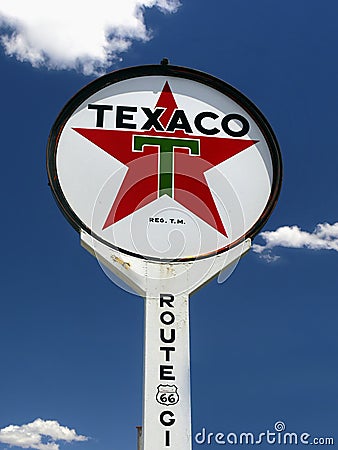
(167, 173)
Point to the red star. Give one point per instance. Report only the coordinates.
(141, 183)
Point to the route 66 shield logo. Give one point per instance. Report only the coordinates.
(167, 394)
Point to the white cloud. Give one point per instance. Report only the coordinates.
(324, 237)
(67, 34)
(40, 434)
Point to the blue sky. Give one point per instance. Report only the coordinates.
(264, 343)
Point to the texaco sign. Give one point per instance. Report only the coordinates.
(165, 163)
(167, 173)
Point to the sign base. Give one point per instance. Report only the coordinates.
(181, 277)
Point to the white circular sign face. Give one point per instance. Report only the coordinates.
(165, 163)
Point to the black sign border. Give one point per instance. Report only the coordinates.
(166, 71)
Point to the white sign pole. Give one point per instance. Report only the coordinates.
(166, 413)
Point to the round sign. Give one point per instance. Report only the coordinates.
(164, 162)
